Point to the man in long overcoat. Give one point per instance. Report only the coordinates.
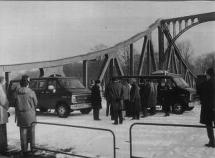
(207, 98)
(135, 101)
(25, 102)
(3, 117)
(116, 95)
(96, 100)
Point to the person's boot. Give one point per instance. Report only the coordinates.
(210, 133)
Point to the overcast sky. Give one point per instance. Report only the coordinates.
(38, 31)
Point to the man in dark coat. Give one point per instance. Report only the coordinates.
(207, 97)
(135, 101)
(25, 102)
(96, 99)
(116, 95)
(144, 92)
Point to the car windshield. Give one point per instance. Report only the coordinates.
(71, 83)
(180, 82)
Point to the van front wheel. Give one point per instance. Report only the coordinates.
(177, 108)
(62, 110)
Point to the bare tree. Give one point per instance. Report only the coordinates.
(203, 62)
(186, 50)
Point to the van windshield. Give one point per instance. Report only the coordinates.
(180, 82)
(71, 83)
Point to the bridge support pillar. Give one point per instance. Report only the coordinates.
(161, 47)
(7, 79)
(131, 60)
(85, 73)
(111, 68)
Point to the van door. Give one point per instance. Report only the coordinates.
(49, 93)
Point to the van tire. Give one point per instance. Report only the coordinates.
(86, 111)
(177, 108)
(62, 110)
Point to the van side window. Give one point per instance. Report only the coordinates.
(170, 84)
(15, 85)
(42, 85)
(33, 84)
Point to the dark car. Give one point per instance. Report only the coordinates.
(64, 94)
(181, 96)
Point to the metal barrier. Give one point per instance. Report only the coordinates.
(156, 124)
(74, 126)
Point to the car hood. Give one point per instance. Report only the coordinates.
(79, 91)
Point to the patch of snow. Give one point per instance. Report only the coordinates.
(148, 141)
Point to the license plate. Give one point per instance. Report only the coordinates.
(80, 106)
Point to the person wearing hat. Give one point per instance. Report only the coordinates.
(26, 101)
(4, 105)
(96, 100)
(206, 91)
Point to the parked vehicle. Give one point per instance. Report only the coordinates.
(181, 95)
(64, 94)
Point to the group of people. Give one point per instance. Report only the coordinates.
(25, 101)
(122, 96)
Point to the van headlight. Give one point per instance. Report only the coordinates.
(74, 100)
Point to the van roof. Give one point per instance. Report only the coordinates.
(155, 75)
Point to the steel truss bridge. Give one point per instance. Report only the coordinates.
(169, 55)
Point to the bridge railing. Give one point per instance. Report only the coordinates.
(155, 124)
(75, 126)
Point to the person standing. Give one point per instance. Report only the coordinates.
(116, 96)
(96, 100)
(25, 102)
(144, 92)
(126, 97)
(207, 98)
(152, 98)
(3, 117)
(108, 101)
(135, 101)
(165, 93)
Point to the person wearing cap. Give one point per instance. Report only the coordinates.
(96, 100)
(26, 101)
(206, 91)
(4, 105)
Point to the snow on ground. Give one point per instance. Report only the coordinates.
(148, 141)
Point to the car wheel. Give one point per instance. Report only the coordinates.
(43, 110)
(85, 111)
(177, 108)
(63, 110)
